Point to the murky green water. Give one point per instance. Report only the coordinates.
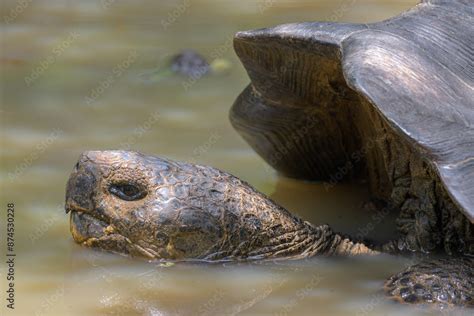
(72, 80)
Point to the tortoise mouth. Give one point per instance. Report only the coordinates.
(85, 226)
(90, 231)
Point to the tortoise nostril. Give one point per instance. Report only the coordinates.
(80, 189)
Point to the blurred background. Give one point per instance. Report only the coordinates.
(80, 75)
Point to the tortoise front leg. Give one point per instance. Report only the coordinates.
(438, 281)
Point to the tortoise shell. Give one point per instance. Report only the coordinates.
(391, 101)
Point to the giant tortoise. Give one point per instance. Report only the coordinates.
(320, 92)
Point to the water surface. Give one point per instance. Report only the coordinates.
(72, 77)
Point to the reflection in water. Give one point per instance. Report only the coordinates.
(344, 207)
(72, 79)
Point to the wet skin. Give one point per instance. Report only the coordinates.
(150, 207)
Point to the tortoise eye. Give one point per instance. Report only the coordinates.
(127, 192)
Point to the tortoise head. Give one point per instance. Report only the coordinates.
(138, 205)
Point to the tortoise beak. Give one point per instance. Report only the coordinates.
(83, 226)
(80, 187)
(80, 190)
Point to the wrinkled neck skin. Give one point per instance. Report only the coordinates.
(256, 228)
(304, 242)
(272, 233)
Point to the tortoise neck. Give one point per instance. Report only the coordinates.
(321, 240)
(326, 242)
(308, 241)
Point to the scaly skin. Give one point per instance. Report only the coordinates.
(442, 281)
(189, 212)
(180, 211)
